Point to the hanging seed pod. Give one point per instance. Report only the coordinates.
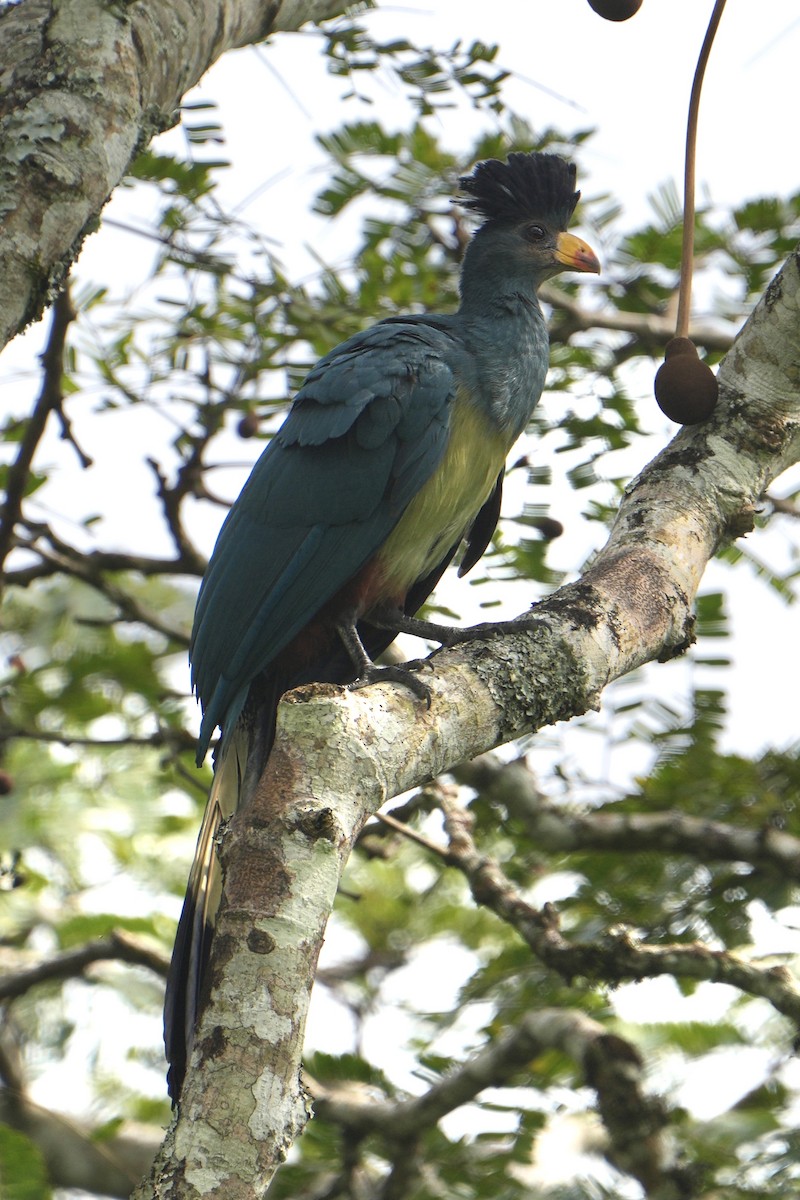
(686, 388)
(615, 10)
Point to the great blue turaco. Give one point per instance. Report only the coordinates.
(391, 457)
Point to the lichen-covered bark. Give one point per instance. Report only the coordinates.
(84, 84)
(339, 755)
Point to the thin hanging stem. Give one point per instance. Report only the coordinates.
(687, 251)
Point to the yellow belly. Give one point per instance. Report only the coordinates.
(443, 510)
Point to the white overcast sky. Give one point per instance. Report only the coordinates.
(630, 81)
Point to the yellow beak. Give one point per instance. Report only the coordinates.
(575, 254)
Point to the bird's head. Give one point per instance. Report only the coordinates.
(526, 204)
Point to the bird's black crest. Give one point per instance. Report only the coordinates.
(527, 185)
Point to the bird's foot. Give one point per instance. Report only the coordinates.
(368, 672)
(392, 673)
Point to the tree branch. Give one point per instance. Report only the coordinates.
(96, 562)
(654, 329)
(611, 1065)
(50, 399)
(87, 567)
(189, 477)
(175, 739)
(560, 830)
(118, 946)
(786, 507)
(619, 957)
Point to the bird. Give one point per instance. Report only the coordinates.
(390, 460)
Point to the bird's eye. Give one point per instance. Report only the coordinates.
(534, 233)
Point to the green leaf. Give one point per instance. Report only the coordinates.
(22, 1169)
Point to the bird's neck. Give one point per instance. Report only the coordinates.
(507, 335)
(493, 292)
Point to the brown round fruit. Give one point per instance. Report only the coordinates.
(549, 528)
(686, 388)
(615, 10)
(248, 426)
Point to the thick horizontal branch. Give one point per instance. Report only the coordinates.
(560, 830)
(119, 947)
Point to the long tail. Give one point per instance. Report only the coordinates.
(236, 773)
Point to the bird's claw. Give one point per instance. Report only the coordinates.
(393, 674)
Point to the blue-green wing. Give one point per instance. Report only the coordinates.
(366, 431)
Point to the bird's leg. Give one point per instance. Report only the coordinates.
(385, 617)
(370, 672)
(393, 617)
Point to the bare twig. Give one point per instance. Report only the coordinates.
(175, 739)
(171, 499)
(96, 560)
(654, 328)
(407, 832)
(50, 399)
(372, 960)
(86, 567)
(785, 507)
(189, 483)
(118, 946)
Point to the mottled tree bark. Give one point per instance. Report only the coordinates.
(339, 755)
(84, 85)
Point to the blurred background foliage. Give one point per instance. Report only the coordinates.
(100, 797)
